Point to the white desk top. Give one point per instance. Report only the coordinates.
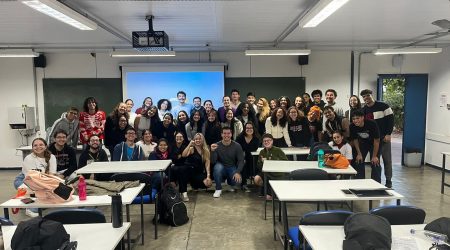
(335, 235)
(327, 190)
(289, 166)
(124, 167)
(445, 153)
(288, 151)
(128, 196)
(89, 236)
(28, 148)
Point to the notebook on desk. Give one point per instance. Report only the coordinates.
(370, 192)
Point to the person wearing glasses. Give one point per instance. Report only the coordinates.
(94, 153)
(66, 160)
(128, 150)
(69, 123)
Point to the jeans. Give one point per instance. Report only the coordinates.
(220, 171)
(387, 159)
(156, 181)
(360, 167)
(19, 180)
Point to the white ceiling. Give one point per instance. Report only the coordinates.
(228, 24)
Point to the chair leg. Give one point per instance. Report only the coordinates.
(326, 205)
(318, 206)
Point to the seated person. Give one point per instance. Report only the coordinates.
(66, 158)
(94, 153)
(228, 159)
(269, 152)
(128, 150)
(146, 142)
(161, 152)
(339, 143)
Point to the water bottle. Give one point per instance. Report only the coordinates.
(320, 155)
(116, 210)
(82, 189)
(430, 235)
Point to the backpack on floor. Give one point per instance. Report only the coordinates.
(172, 209)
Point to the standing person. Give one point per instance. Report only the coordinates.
(233, 123)
(66, 158)
(249, 141)
(277, 126)
(117, 134)
(340, 143)
(262, 115)
(235, 98)
(198, 107)
(284, 102)
(212, 128)
(307, 101)
(165, 129)
(245, 113)
(69, 123)
(298, 128)
(226, 105)
(128, 150)
(300, 105)
(195, 125)
(146, 104)
(182, 105)
(208, 106)
(366, 138)
(273, 105)
(330, 97)
(334, 122)
(384, 117)
(146, 143)
(228, 160)
(354, 103)
(40, 159)
(314, 123)
(146, 121)
(182, 120)
(164, 106)
(197, 169)
(251, 99)
(94, 153)
(317, 99)
(131, 114)
(92, 120)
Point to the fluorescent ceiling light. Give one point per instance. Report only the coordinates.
(61, 12)
(141, 54)
(320, 12)
(279, 52)
(18, 53)
(407, 51)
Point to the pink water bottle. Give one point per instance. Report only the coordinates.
(81, 189)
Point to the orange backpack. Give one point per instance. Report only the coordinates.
(48, 188)
(336, 161)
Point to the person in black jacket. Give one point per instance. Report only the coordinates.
(94, 153)
(298, 128)
(165, 129)
(246, 113)
(249, 141)
(65, 155)
(212, 128)
(116, 134)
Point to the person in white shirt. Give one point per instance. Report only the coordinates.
(132, 115)
(277, 126)
(147, 143)
(340, 144)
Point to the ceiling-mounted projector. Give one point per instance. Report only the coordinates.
(150, 40)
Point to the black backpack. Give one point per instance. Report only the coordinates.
(441, 226)
(315, 147)
(171, 207)
(39, 233)
(364, 231)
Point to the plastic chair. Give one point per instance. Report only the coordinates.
(76, 216)
(312, 174)
(142, 178)
(401, 215)
(318, 218)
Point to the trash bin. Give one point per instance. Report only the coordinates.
(413, 157)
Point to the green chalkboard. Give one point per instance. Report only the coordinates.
(268, 87)
(62, 93)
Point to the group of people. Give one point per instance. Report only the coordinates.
(205, 143)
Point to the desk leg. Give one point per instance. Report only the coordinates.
(273, 219)
(127, 207)
(156, 216)
(294, 157)
(6, 213)
(265, 195)
(285, 224)
(370, 205)
(142, 216)
(443, 174)
(40, 212)
(398, 202)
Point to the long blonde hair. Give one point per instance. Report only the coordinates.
(265, 110)
(205, 149)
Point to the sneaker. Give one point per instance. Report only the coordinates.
(232, 190)
(185, 197)
(217, 193)
(246, 189)
(388, 184)
(31, 213)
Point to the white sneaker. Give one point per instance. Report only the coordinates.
(217, 194)
(30, 213)
(232, 190)
(185, 197)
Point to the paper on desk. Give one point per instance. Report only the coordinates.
(404, 243)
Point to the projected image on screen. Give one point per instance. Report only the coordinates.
(165, 85)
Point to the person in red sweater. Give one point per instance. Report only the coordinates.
(92, 120)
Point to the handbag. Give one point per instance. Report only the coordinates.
(336, 161)
(48, 188)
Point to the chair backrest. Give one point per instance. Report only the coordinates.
(5, 222)
(401, 215)
(141, 177)
(308, 174)
(324, 218)
(76, 216)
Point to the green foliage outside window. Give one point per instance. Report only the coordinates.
(393, 94)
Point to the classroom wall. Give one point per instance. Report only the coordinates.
(438, 118)
(326, 69)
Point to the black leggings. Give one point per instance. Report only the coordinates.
(187, 174)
